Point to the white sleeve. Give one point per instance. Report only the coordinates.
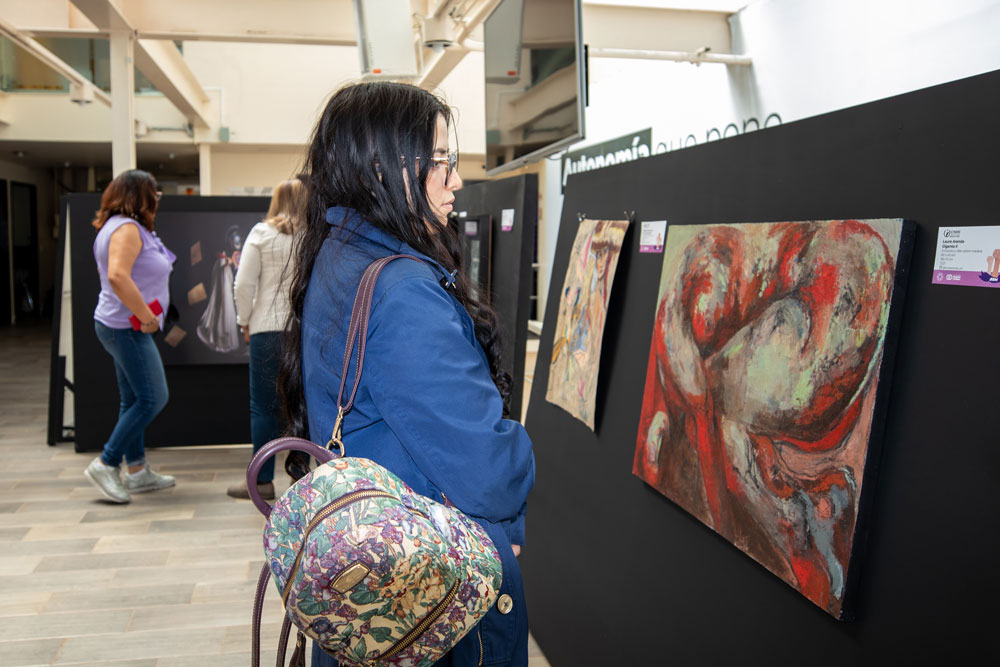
(247, 277)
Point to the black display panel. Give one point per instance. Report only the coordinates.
(209, 403)
(513, 243)
(605, 550)
(6, 284)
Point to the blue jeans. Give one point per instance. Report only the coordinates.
(142, 386)
(266, 419)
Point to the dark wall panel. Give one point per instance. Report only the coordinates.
(511, 266)
(209, 404)
(6, 284)
(617, 574)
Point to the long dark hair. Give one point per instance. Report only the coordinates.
(368, 136)
(132, 193)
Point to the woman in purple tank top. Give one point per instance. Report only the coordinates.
(134, 267)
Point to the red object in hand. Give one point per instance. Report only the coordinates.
(154, 306)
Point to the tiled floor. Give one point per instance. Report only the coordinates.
(166, 581)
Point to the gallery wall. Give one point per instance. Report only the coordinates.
(615, 573)
(815, 57)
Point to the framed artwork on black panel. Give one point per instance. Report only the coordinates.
(477, 246)
(208, 248)
(766, 387)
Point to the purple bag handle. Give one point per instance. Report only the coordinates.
(271, 449)
(357, 332)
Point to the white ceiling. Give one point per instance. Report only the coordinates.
(728, 6)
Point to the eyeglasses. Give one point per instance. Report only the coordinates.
(451, 160)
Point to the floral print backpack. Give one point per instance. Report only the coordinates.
(373, 572)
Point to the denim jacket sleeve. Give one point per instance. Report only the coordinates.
(432, 379)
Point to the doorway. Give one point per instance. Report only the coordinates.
(23, 273)
(6, 275)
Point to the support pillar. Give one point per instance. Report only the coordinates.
(205, 169)
(122, 100)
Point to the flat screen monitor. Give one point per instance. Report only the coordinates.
(534, 81)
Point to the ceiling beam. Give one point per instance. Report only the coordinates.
(648, 33)
(610, 31)
(159, 60)
(104, 14)
(31, 45)
(641, 28)
(329, 22)
(439, 64)
(164, 66)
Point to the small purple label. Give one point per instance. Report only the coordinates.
(507, 220)
(651, 236)
(965, 278)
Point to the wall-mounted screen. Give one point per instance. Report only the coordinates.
(534, 80)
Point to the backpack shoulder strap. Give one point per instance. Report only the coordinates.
(357, 335)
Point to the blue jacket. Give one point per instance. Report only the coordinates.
(426, 408)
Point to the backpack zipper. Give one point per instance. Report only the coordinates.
(422, 626)
(479, 633)
(338, 504)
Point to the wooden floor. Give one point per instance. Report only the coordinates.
(166, 581)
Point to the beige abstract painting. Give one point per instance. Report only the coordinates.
(583, 308)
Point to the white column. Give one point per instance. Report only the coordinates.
(205, 168)
(122, 100)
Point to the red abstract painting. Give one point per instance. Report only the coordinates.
(761, 386)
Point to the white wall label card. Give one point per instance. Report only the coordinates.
(507, 220)
(471, 227)
(967, 256)
(651, 236)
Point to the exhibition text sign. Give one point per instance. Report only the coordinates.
(614, 151)
(968, 256)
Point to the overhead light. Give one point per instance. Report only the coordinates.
(81, 93)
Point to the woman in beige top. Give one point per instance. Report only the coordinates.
(261, 289)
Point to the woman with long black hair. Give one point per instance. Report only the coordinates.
(431, 406)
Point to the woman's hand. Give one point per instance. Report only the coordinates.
(151, 326)
(516, 549)
(245, 328)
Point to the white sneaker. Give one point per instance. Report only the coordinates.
(147, 480)
(108, 480)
